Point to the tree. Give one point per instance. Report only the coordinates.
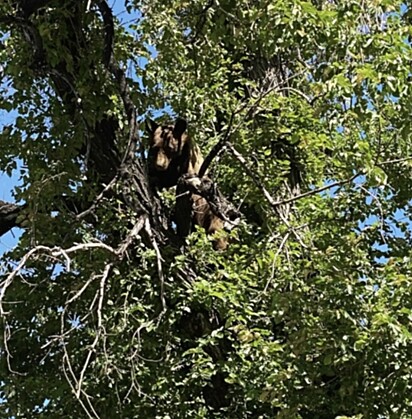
(302, 110)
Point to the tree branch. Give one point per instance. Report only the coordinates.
(274, 204)
(28, 7)
(8, 216)
(118, 73)
(107, 16)
(206, 188)
(217, 147)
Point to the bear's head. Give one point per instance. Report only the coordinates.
(171, 153)
(167, 142)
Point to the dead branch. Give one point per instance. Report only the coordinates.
(6, 337)
(54, 252)
(252, 174)
(99, 329)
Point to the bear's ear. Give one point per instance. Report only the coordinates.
(151, 126)
(179, 128)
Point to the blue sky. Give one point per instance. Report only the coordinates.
(7, 184)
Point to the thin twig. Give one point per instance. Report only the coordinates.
(6, 337)
(134, 232)
(252, 174)
(159, 264)
(383, 163)
(69, 381)
(99, 329)
(269, 197)
(98, 198)
(318, 190)
(299, 92)
(282, 243)
(81, 291)
(50, 252)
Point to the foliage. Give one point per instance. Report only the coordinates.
(307, 314)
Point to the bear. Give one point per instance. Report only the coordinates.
(172, 154)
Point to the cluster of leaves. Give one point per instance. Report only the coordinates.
(308, 312)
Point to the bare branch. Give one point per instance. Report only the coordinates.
(6, 337)
(282, 244)
(99, 328)
(404, 159)
(318, 190)
(54, 252)
(252, 174)
(66, 361)
(121, 250)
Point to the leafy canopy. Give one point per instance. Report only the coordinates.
(308, 312)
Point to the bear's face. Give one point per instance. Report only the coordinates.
(166, 143)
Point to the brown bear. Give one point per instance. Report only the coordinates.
(171, 155)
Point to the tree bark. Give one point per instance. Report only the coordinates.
(8, 216)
